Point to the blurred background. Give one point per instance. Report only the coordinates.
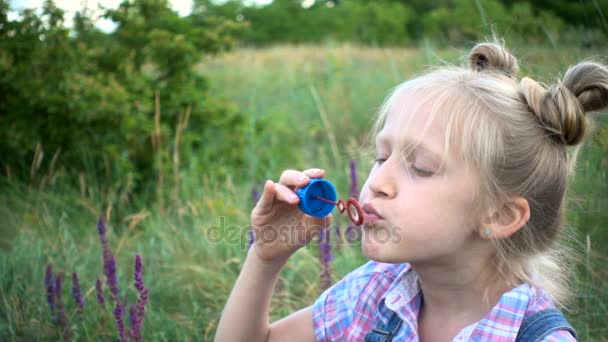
(164, 118)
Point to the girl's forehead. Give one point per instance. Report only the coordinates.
(414, 122)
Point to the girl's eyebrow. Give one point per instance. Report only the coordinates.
(383, 139)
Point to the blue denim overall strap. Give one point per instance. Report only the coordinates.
(537, 326)
(385, 333)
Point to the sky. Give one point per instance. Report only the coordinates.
(71, 6)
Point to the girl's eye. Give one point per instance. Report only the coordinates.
(380, 160)
(421, 172)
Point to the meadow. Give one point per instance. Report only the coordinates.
(307, 106)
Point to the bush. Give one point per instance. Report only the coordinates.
(101, 101)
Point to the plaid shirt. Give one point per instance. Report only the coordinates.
(354, 305)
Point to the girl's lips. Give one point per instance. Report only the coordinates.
(371, 216)
(371, 219)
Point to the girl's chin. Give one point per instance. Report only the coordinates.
(370, 248)
(379, 250)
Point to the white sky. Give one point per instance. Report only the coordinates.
(71, 6)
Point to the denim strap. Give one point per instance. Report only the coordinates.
(537, 326)
(385, 333)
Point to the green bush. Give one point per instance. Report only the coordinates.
(91, 97)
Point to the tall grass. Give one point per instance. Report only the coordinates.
(308, 106)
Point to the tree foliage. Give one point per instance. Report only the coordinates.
(90, 96)
(394, 22)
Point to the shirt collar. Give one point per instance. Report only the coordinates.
(403, 290)
(403, 296)
(505, 318)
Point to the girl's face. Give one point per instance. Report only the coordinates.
(424, 212)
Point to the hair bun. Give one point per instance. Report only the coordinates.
(491, 56)
(561, 108)
(588, 81)
(558, 110)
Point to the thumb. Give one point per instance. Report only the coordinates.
(267, 199)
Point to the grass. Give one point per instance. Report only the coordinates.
(308, 106)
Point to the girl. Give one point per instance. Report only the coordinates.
(469, 187)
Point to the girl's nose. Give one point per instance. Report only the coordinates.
(382, 181)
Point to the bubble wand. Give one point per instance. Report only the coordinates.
(318, 198)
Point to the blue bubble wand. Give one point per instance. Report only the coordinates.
(318, 198)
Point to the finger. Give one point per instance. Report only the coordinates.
(286, 195)
(314, 173)
(293, 178)
(267, 197)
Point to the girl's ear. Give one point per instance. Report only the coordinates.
(512, 216)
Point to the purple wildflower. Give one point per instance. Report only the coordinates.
(57, 289)
(251, 238)
(255, 196)
(139, 269)
(76, 293)
(326, 258)
(48, 284)
(101, 227)
(326, 246)
(118, 313)
(133, 320)
(109, 263)
(62, 320)
(112, 279)
(140, 312)
(137, 313)
(99, 289)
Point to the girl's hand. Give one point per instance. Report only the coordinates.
(280, 228)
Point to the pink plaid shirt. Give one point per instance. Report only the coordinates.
(353, 306)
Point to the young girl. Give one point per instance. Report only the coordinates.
(462, 210)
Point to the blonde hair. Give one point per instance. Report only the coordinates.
(523, 138)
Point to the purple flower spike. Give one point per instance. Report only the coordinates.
(137, 313)
(76, 293)
(118, 313)
(57, 287)
(112, 279)
(132, 320)
(139, 269)
(255, 194)
(101, 227)
(141, 311)
(99, 290)
(62, 320)
(50, 288)
(326, 247)
(251, 238)
(109, 263)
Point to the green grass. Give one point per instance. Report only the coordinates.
(308, 106)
